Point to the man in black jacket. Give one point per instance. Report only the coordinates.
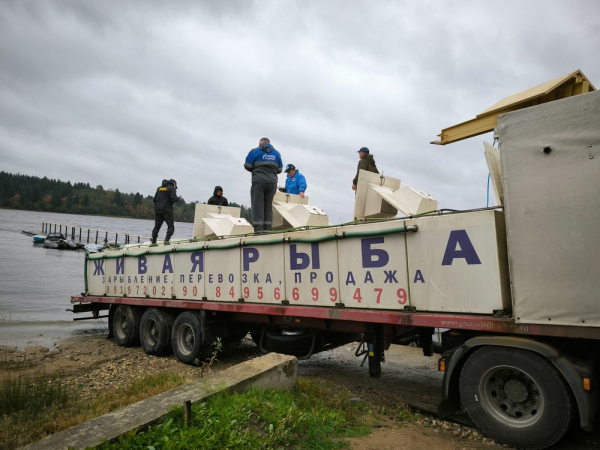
(164, 198)
(218, 198)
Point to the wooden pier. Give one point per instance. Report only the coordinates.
(82, 235)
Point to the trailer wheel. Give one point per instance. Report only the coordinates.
(516, 397)
(188, 339)
(155, 331)
(126, 325)
(292, 342)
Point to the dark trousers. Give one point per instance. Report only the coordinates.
(262, 195)
(158, 221)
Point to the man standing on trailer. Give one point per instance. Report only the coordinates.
(164, 198)
(295, 183)
(218, 198)
(366, 163)
(265, 163)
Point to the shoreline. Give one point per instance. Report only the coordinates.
(22, 335)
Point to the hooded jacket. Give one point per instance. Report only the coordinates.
(218, 199)
(368, 164)
(265, 163)
(295, 184)
(165, 196)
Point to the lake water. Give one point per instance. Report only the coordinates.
(36, 283)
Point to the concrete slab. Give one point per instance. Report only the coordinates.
(272, 371)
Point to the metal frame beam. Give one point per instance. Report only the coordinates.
(296, 315)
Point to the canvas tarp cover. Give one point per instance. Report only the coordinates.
(552, 201)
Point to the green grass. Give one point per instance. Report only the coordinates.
(31, 394)
(25, 389)
(33, 405)
(312, 416)
(13, 360)
(29, 399)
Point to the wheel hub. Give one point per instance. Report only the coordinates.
(511, 396)
(186, 339)
(122, 326)
(516, 391)
(151, 332)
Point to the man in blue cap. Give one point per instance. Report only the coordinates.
(295, 183)
(265, 164)
(366, 163)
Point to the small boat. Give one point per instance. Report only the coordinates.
(59, 242)
(93, 248)
(38, 238)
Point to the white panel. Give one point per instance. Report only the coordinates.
(454, 263)
(96, 276)
(367, 202)
(160, 271)
(190, 274)
(223, 280)
(135, 271)
(373, 271)
(311, 269)
(206, 211)
(409, 201)
(114, 268)
(262, 270)
(492, 156)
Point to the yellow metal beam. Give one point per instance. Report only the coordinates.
(470, 128)
(574, 83)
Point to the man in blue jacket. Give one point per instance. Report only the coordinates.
(295, 183)
(265, 163)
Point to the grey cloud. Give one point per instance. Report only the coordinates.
(124, 94)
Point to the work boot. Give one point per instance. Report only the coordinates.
(167, 243)
(153, 243)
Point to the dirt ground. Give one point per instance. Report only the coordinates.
(411, 378)
(97, 365)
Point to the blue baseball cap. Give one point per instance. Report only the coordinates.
(289, 167)
(364, 150)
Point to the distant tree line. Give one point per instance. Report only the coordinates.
(43, 194)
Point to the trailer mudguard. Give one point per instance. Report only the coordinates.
(572, 373)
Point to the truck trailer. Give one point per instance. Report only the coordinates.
(515, 288)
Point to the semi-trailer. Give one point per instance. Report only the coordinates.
(515, 287)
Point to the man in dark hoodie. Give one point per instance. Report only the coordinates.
(265, 163)
(218, 198)
(164, 198)
(366, 163)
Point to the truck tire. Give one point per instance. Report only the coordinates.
(291, 344)
(188, 339)
(155, 331)
(126, 325)
(516, 397)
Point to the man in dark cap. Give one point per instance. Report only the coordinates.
(218, 198)
(366, 163)
(265, 163)
(295, 183)
(164, 198)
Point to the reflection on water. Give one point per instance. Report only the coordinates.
(36, 283)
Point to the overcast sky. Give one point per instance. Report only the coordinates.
(124, 94)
